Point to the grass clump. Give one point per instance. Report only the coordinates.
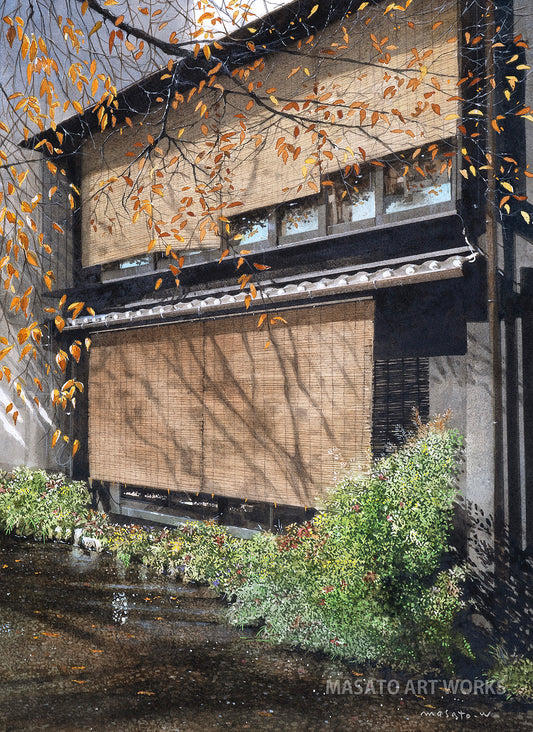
(514, 673)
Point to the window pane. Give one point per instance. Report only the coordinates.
(299, 216)
(134, 262)
(422, 182)
(351, 198)
(249, 228)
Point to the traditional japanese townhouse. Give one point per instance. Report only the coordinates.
(305, 313)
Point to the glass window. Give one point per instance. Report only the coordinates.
(299, 216)
(423, 181)
(350, 198)
(126, 265)
(135, 261)
(249, 228)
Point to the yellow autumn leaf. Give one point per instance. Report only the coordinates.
(76, 308)
(75, 352)
(22, 336)
(526, 217)
(96, 27)
(55, 437)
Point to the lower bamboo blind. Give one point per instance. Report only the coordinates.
(205, 407)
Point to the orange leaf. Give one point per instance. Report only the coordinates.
(158, 284)
(22, 335)
(60, 323)
(76, 308)
(261, 266)
(27, 348)
(5, 351)
(75, 447)
(55, 438)
(262, 319)
(75, 351)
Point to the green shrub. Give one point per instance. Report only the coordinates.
(363, 579)
(514, 672)
(35, 503)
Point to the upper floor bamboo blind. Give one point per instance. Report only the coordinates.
(205, 407)
(374, 109)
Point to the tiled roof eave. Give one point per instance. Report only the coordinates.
(297, 291)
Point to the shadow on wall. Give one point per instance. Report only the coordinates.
(501, 608)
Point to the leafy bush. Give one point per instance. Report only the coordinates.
(363, 579)
(35, 503)
(514, 672)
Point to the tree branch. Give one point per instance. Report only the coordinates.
(172, 49)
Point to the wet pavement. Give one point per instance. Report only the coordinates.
(86, 644)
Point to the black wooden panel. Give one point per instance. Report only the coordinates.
(401, 385)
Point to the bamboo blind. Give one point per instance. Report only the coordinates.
(253, 171)
(205, 407)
